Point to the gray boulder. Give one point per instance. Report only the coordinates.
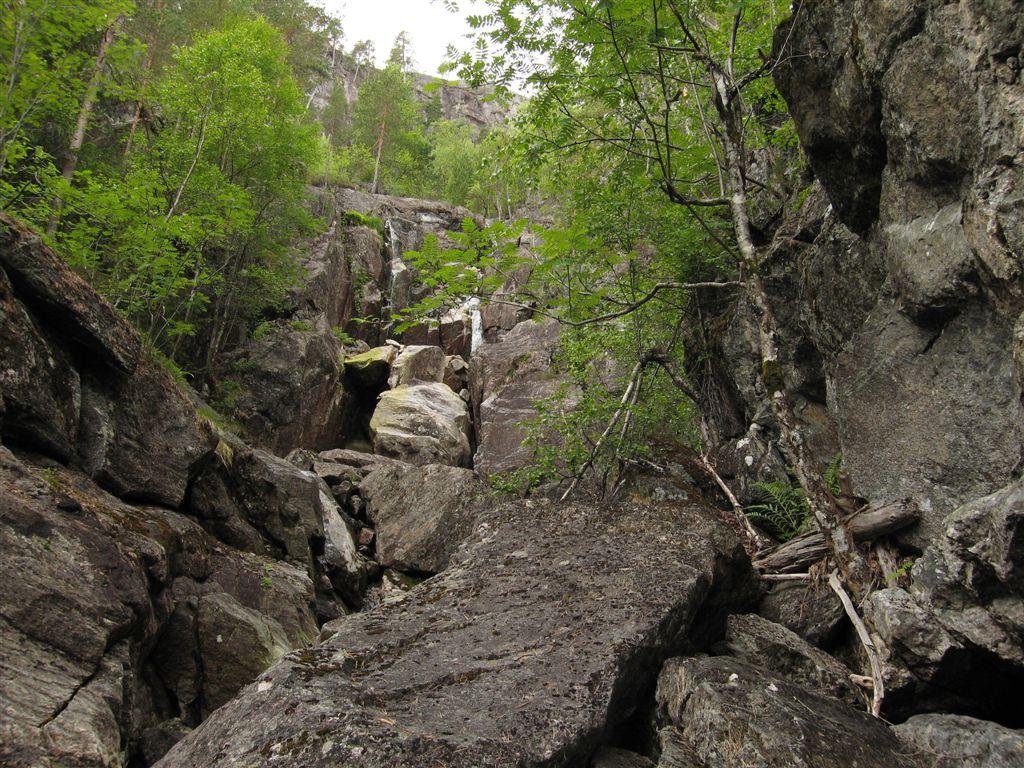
(416, 364)
(236, 645)
(101, 663)
(954, 639)
(422, 424)
(734, 715)
(541, 637)
(955, 741)
(61, 298)
(260, 503)
(421, 514)
(291, 390)
(759, 642)
(812, 611)
(371, 369)
(507, 378)
(41, 388)
(141, 436)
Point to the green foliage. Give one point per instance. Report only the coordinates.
(357, 219)
(192, 227)
(832, 473)
(782, 510)
(387, 123)
(302, 326)
(228, 393)
(342, 336)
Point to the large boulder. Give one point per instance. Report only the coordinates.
(955, 741)
(422, 424)
(507, 379)
(101, 615)
(812, 611)
(260, 503)
(417, 364)
(287, 388)
(953, 640)
(540, 639)
(142, 436)
(41, 388)
(236, 645)
(421, 514)
(78, 385)
(759, 642)
(734, 715)
(371, 369)
(53, 292)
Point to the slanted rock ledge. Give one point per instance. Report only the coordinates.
(545, 634)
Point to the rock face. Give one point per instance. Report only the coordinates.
(760, 642)
(898, 292)
(260, 503)
(77, 385)
(507, 378)
(954, 639)
(287, 386)
(421, 514)
(151, 567)
(955, 741)
(291, 389)
(422, 424)
(733, 715)
(812, 612)
(448, 675)
(898, 286)
(110, 619)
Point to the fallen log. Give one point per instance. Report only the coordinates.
(865, 524)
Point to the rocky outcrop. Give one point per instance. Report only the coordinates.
(77, 384)
(110, 618)
(421, 514)
(760, 642)
(151, 566)
(448, 675)
(289, 388)
(952, 640)
(286, 386)
(507, 378)
(811, 611)
(260, 503)
(897, 285)
(733, 715)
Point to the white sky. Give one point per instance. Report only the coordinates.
(429, 24)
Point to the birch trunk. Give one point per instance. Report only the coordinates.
(84, 113)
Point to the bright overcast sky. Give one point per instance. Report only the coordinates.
(430, 26)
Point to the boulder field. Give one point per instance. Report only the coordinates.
(332, 581)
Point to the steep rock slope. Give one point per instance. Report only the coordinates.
(151, 566)
(899, 291)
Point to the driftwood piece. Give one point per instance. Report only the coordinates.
(866, 524)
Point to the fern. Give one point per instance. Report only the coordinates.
(832, 474)
(782, 509)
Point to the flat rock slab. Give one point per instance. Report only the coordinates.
(546, 632)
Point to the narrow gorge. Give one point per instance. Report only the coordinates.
(355, 530)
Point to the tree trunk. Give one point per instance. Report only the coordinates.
(84, 113)
(147, 64)
(864, 525)
(380, 150)
(792, 443)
